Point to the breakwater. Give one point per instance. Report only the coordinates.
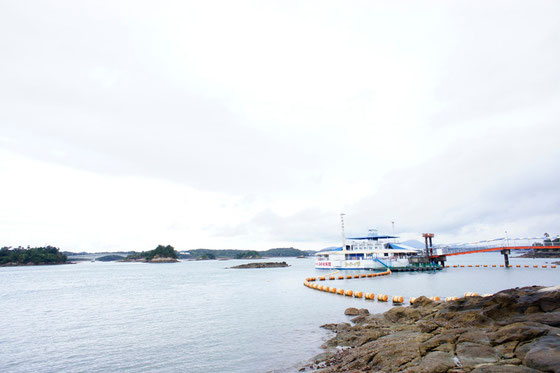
(514, 330)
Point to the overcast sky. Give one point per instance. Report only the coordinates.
(252, 125)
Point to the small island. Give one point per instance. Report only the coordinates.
(20, 256)
(262, 265)
(161, 254)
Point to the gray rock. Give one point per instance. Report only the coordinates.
(544, 354)
(504, 369)
(471, 354)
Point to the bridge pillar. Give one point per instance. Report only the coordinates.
(506, 252)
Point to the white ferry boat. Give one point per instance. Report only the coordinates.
(371, 252)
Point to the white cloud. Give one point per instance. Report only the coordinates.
(252, 125)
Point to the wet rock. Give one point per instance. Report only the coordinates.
(351, 311)
(471, 354)
(474, 336)
(544, 354)
(436, 362)
(520, 331)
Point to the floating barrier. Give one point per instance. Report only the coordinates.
(397, 299)
(382, 297)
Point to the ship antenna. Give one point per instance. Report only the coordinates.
(342, 226)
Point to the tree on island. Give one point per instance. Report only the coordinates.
(160, 252)
(32, 255)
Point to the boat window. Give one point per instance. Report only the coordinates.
(386, 254)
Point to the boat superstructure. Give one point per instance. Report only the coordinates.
(371, 252)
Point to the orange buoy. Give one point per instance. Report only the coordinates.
(358, 294)
(370, 296)
(398, 299)
(320, 287)
(322, 278)
(544, 266)
(470, 294)
(331, 278)
(462, 266)
(348, 293)
(382, 297)
(369, 275)
(493, 265)
(341, 277)
(485, 265)
(340, 291)
(501, 265)
(327, 289)
(363, 276)
(356, 276)
(518, 265)
(435, 299)
(470, 265)
(477, 265)
(553, 266)
(348, 277)
(448, 299)
(535, 266)
(412, 300)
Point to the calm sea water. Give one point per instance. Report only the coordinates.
(200, 316)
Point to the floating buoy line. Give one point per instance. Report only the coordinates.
(499, 265)
(315, 283)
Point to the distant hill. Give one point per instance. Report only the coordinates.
(243, 254)
(109, 258)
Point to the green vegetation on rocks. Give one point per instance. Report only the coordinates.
(31, 256)
(160, 253)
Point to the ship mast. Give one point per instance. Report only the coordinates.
(342, 226)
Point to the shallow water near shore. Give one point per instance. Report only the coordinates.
(201, 317)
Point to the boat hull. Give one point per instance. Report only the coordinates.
(364, 264)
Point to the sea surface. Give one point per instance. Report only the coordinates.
(199, 316)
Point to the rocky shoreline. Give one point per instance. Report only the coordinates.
(515, 330)
(262, 265)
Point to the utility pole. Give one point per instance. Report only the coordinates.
(342, 226)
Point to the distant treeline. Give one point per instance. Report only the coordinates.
(243, 254)
(31, 255)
